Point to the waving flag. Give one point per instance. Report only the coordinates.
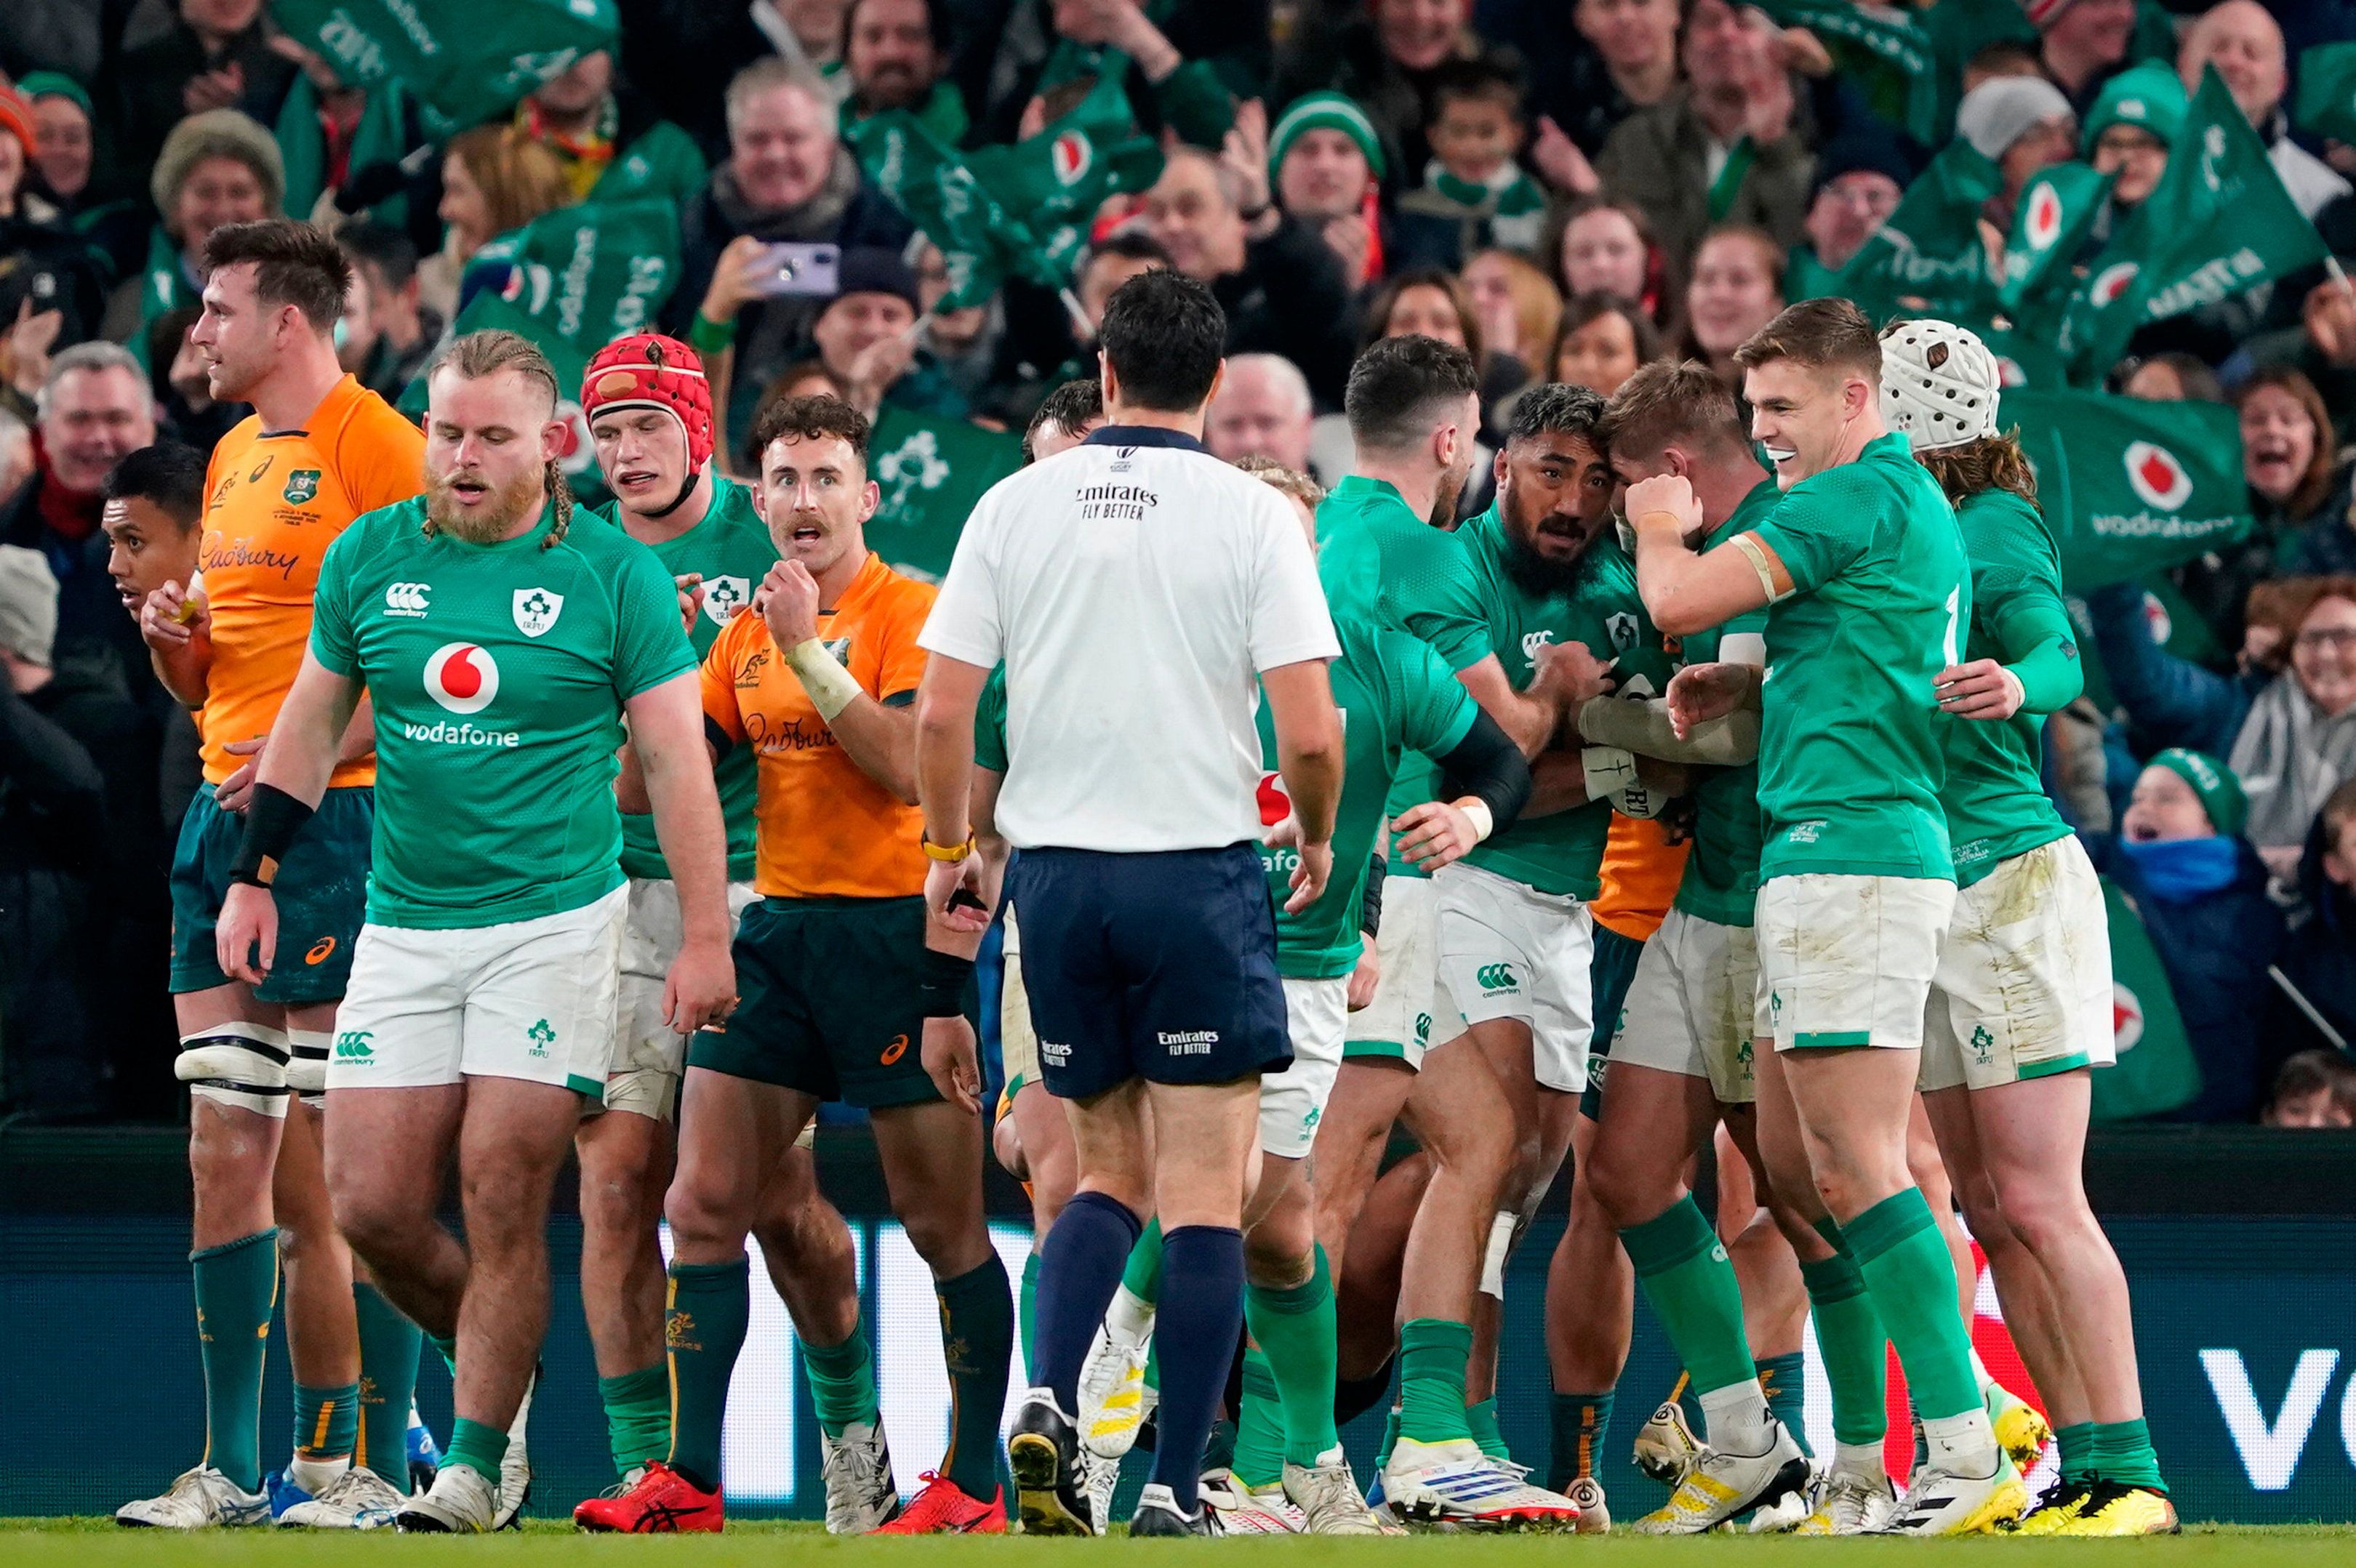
(463, 61)
(2130, 487)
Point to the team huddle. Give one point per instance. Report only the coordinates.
(639, 834)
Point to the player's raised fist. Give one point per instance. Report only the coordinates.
(789, 603)
(1665, 493)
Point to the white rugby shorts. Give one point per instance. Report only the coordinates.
(531, 1000)
(2023, 988)
(649, 1058)
(1694, 1007)
(1848, 960)
(1291, 1102)
(1507, 951)
(1403, 1021)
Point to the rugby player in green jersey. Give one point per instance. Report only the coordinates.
(1861, 567)
(1546, 573)
(2021, 1007)
(649, 415)
(502, 649)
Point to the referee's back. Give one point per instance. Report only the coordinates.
(1135, 586)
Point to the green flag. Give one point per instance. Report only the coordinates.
(2155, 1072)
(572, 282)
(930, 471)
(2130, 487)
(1928, 259)
(1881, 49)
(1020, 210)
(463, 60)
(2327, 91)
(2056, 209)
(2218, 224)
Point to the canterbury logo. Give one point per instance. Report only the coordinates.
(406, 598)
(1495, 978)
(895, 1050)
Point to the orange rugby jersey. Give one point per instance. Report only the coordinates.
(1640, 877)
(274, 502)
(825, 829)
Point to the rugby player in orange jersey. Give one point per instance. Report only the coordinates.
(318, 450)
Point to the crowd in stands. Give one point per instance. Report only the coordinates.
(1567, 188)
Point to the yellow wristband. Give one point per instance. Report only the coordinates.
(949, 854)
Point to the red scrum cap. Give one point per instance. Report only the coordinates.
(648, 371)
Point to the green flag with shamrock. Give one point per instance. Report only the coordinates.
(1881, 49)
(2218, 224)
(1928, 259)
(930, 471)
(2130, 487)
(2056, 209)
(463, 61)
(2155, 1072)
(571, 281)
(1020, 210)
(2327, 91)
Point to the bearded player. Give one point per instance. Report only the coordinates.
(2020, 1010)
(649, 414)
(504, 650)
(843, 998)
(318, 450)
(1861, 568)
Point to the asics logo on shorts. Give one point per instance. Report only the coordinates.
(407, 599)
(895, 1050)
(1497, 978)
(321, 951)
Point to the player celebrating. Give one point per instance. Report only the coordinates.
(1862, 567)
(319, 450)
(841, 1000)
(503, 650)
(2020, 1009)
(1167, 581)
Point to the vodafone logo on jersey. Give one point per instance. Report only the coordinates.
(462, 678)
(1275, 803)
(2157, 477)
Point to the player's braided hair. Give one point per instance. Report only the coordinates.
(481, 354)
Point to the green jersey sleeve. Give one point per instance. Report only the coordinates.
(1824, 525)
(650, 647)
(989, 723)
(1435, 710)
(2017, 598)
(332, 638)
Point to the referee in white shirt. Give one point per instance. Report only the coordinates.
(1137, 588)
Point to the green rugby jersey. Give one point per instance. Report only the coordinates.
(1995, 795)
(1849, 763)
(1382, 566)
(1397, 699)
(989, 722)
(1721, 878)
(730, 549)
(499, 673)
(1561, 853)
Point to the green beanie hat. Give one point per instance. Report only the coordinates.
(2148, 96)
(2219, 789)
(1324, 112)
(39, 84)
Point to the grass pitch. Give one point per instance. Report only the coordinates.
(99, 1543)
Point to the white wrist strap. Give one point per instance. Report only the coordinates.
(1477, 813)
(830, 687)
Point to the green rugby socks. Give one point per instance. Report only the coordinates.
(1295, 1327)
(841, 1382)
(1432, 1352)
(709, 1307)
(977, 1341)
(389, 1349)
(237, 1290)
(637, 1416)
(1690, 1283)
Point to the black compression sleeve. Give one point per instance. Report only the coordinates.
(1370, 904)
(273, 818)
(1488, 765)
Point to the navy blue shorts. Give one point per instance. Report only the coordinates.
(1159, 966)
